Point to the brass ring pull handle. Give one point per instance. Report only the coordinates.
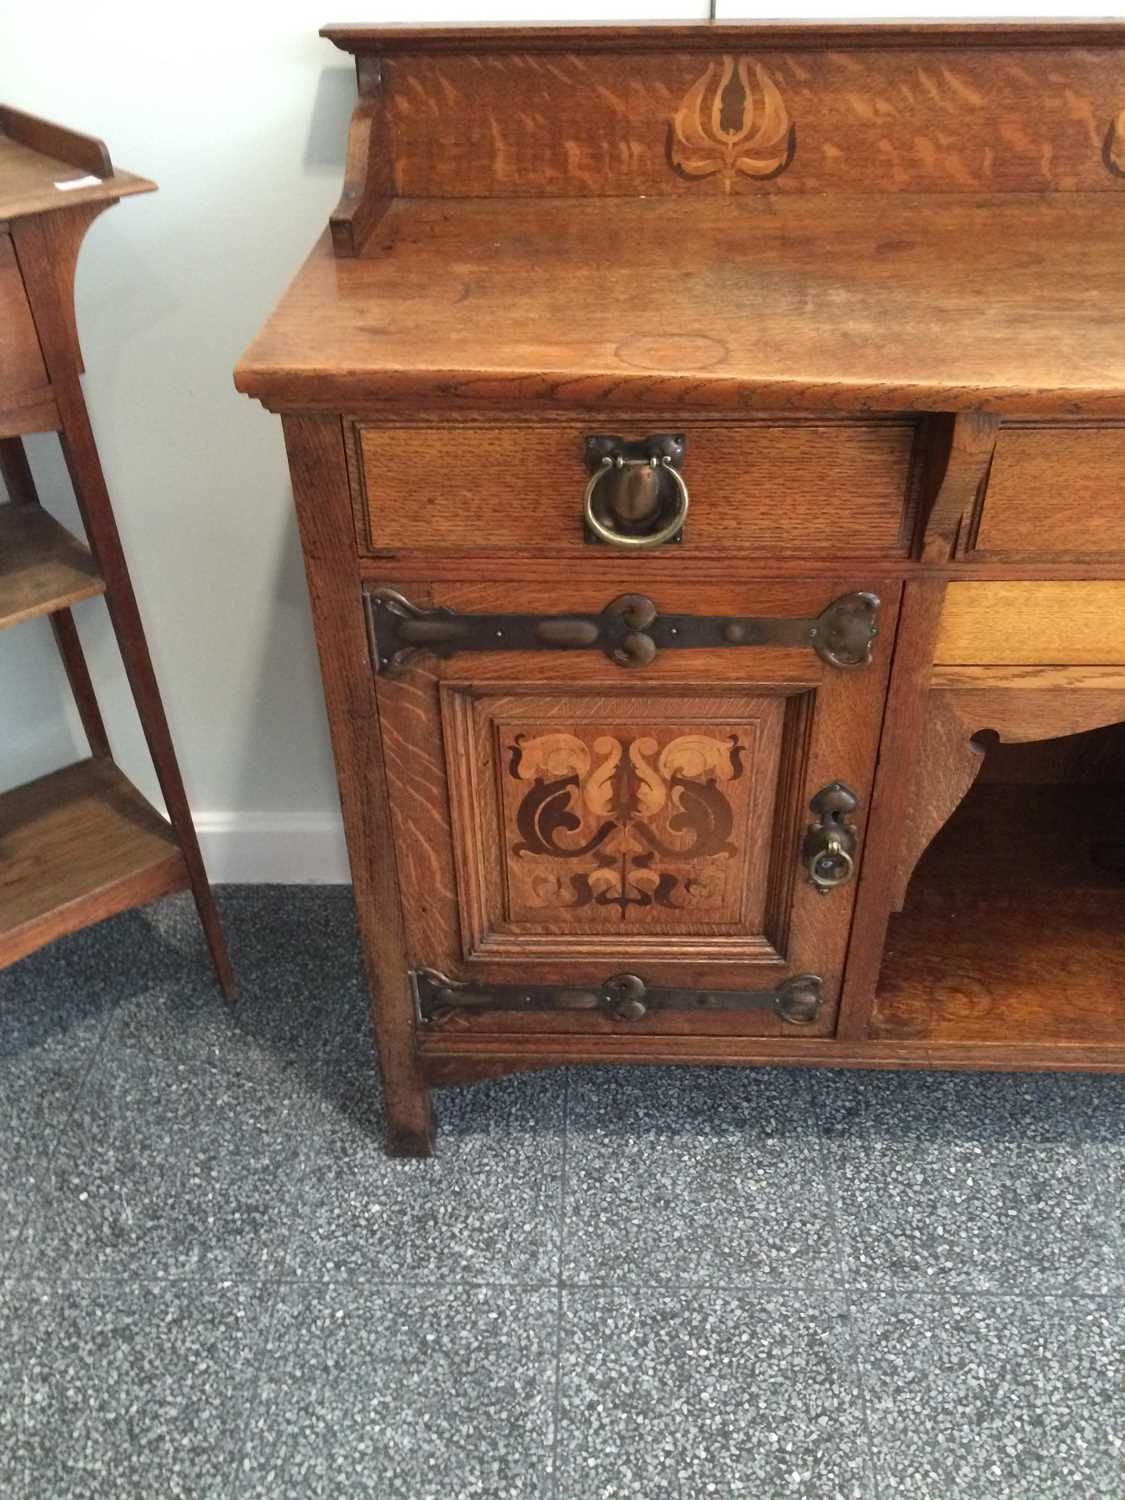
(829, 850)
(831, 866)
(662, 534)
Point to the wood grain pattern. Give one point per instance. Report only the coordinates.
(368, 171)
(34, 411)
(630, 822)
(906, 702)
(837, 737)
(764, 305)
(941, 120)
(719, 36)
(1052, 493)
(30, 167)
(315, 446)
(1011, 928)
(971, 440)
(830, 489)
(958, 726)
(1050, 679)
(452, 1057)
(873, 273)
(42, 566)
(1052, 623)
(52, 139)
(22, 371)
(75, 847)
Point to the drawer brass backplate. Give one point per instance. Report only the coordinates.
(630, 630)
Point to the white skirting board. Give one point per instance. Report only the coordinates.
(273, 848)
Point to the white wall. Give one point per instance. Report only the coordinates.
(239, 113)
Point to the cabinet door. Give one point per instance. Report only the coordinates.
(562, 821)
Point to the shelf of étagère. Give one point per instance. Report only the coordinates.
(1014, 925)
(76, 846)
(44, 166)
(42, 566)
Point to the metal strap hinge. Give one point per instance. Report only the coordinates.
(630, 630)
(624, 997)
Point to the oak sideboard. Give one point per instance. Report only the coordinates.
(708, 445)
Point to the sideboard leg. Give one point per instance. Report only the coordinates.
(408, 1117)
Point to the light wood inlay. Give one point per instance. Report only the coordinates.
(1063, 624)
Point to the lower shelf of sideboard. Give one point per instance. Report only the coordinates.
(1014, 925)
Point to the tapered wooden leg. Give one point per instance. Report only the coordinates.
(16, 472)
(408, 1116)
(78, 675)
(20, 484)
(85, 469)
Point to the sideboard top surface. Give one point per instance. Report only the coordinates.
(1010, 303)
(649, 35)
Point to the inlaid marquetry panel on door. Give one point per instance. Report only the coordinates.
(560, 819)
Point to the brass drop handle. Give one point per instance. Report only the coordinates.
(831, 866)
(636, 496)
(830, 844)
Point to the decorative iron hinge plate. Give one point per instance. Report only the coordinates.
(630, 630)
(624, 997)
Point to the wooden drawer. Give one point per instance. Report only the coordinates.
(21, 363)
(758, 489)
(1036, 624)
(1053, 493)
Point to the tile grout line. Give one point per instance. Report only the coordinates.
(6, 1270)
(776, 1288)
(829, 1176)
(557, 1409)
(1096, 1183)
(254, 1386)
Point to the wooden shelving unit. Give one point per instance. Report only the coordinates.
(43, 567)
(82, 843)
(79, 845)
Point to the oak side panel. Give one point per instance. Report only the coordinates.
(315, 446)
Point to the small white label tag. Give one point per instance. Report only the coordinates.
(77, 182)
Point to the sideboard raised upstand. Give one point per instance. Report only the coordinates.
(708, 444)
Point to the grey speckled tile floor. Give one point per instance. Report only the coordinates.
(653, 1283)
